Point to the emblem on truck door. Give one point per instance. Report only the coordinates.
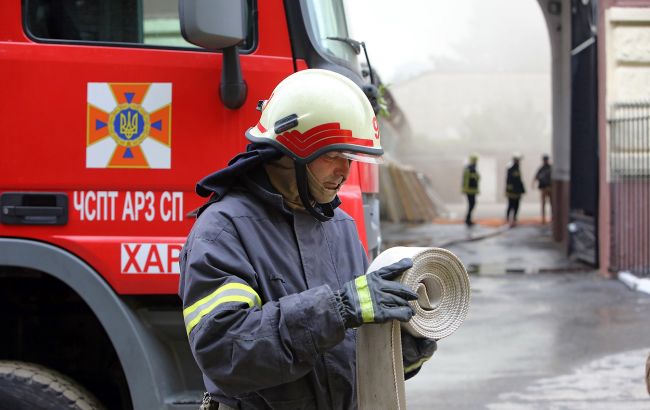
(128, 125)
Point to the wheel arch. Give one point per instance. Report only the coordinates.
(149, 367)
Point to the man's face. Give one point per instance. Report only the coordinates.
(330, 170)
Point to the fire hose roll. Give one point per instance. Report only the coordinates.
(442, 284)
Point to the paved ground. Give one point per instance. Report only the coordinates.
(486, 211)
(543, 332)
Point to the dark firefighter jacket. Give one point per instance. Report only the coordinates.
(257, 285)
(514, 184)
(470, 180)
(543, 176)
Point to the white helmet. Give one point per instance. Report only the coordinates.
(314, 111)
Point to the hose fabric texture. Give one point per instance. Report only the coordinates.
(442, 285)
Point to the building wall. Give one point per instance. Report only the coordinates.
(624, 76)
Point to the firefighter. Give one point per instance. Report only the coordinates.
(514, 189)
(470, 186)
(543, 179)
(272, 273)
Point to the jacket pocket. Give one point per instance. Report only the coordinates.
(296, 404)
(296, 395)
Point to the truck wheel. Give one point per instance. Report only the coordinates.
(30, 386)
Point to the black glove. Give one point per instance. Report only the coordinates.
(374, 298)
(415, 351)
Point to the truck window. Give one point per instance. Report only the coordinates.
(143, 22)
(327, 19)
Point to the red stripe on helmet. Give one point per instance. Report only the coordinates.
(330, 128)
(260, 127)
(305, 144)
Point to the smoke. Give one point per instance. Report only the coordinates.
(411, 38)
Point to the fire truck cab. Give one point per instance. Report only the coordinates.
(110, 116)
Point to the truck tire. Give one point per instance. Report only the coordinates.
(30, 386)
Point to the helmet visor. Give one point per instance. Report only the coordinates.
(357, 156)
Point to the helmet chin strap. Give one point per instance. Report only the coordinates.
(303, 190)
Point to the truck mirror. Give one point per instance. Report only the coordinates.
(219, 25)
(213, 24)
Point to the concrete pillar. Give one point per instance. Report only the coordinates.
(558, 21)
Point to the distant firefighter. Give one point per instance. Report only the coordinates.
(471, 179)
(543, 179)
(514, 189)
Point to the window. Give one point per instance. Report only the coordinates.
(328, 26)
(145, 22)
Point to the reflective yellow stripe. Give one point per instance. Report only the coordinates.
(365, 301)
(222, 289)
(230, 292)
(417, 364)
(203, 312)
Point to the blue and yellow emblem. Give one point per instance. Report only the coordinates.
(128, 125)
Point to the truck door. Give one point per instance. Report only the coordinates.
(116, 110)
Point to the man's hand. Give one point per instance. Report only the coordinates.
(375, 298)
(415, 351)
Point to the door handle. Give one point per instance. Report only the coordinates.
(33, 208)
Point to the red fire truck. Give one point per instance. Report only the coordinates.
(109, 118)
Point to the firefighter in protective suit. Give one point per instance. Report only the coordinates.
(272, 273)
(514, 189)
(471, 179)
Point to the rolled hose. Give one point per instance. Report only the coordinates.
(442, 284)
(443, 289)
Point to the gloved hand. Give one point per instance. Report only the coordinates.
(374, 298)
(415, 351)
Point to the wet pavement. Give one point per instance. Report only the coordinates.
(543, 332)
(489, 249)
